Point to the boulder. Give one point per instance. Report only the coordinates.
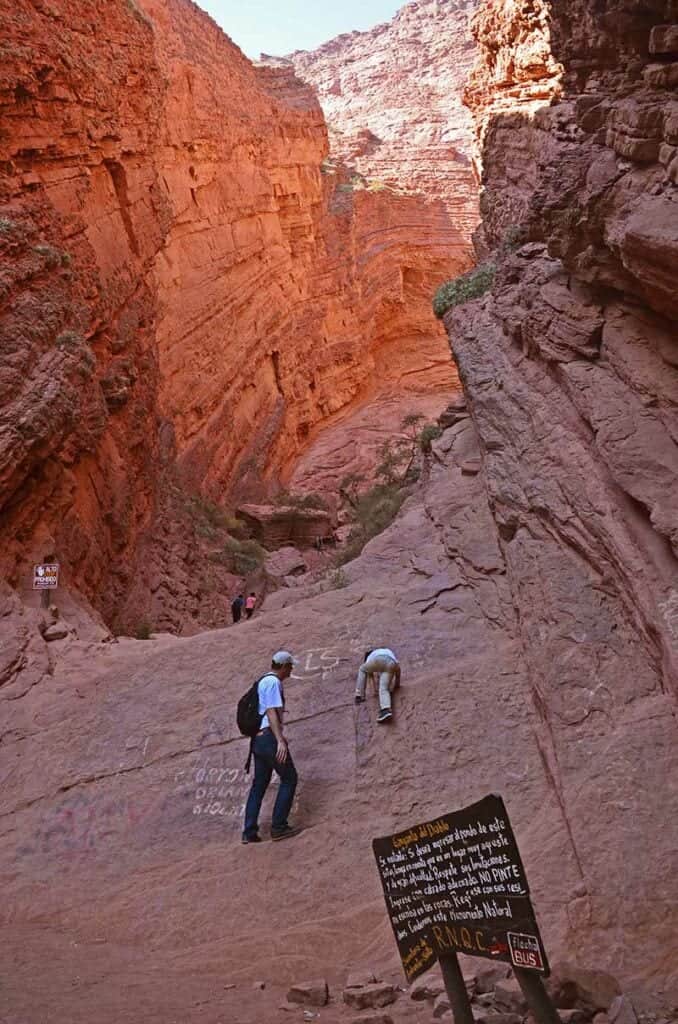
(484, 1000)
(664, 39)
(576, 1016)
(570, 986)
(370, 997)
(483, 1015)
(449, 418)
(441, 1007)
(309, 993)
(373, 1018)
(488, 974)
(621, 1011)
(275, 526)
(508, 996)
(57, 631)
(427, 988)
(359, 979)
(287, 561)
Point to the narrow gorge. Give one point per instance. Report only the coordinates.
(216, 288)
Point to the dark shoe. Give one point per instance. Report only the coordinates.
(251, 839)
(359, 699)
(385, 715)
(285, 833)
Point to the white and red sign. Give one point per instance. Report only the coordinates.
(525, 951)
(45, 576)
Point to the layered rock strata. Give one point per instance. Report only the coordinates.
(185, 295)
(570, 370)
(392, 100)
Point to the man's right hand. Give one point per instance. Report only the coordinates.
(281, 752)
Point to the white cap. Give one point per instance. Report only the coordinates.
(283, 658)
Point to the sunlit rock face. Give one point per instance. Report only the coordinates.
(392, 101)
(185, 294)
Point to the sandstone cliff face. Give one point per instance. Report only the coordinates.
(80, 369)
(185, 295)
(392, 100)
(570, 368)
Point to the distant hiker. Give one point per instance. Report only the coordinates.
(250, 604)
(383, 663)
(271, 753)
(236, 607)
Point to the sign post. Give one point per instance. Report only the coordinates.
(455, 986)
(45, 578)
(537, 997)
(457, 885)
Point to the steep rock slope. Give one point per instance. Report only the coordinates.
(148, 906)
(184, 294)
(392, 100)
(570, 368)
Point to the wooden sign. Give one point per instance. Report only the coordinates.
(45, 576)
(457, 885)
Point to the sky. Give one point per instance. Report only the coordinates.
(279, 26)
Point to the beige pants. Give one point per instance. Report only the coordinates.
(382, 667)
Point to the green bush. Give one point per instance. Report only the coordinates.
(210, 516)
(514, 236)
(430, 433)
(51, 256)
(312, 500)
(143, 631)
(375, 510)
(337, 579)
(463, 289)
(244, 556)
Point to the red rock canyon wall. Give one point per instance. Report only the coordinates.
(183, 290)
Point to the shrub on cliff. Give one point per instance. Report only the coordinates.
(244, 556)
(374, 511)
(463, 289)
(312, 500)
(430, 433)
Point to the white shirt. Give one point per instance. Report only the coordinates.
(378, 654)
(270, 696)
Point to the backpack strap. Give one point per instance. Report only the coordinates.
(248, 762)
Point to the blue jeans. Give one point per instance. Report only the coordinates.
(264, 749)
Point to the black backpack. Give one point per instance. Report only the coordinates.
(248, 717)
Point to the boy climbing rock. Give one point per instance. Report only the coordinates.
(383, 663)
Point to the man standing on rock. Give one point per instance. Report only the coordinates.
(236, 607)
(271, 753)
(380, 662)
